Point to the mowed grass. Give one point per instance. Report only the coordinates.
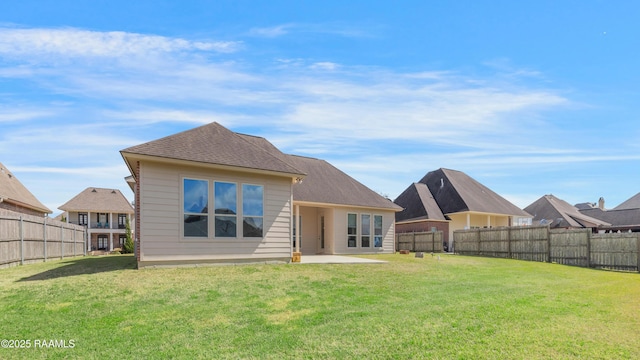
(453, 308)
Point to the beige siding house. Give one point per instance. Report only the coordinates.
(16, 197)
(104, 212)
(212, 195)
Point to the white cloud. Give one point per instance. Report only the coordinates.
(71, 42)
(271, 32)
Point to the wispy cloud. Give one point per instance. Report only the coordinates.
(70, 42)
(390, 123)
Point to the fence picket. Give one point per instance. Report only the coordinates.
(578, 247)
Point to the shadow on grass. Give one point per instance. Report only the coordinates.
(85, 265)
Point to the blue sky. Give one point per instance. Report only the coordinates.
(529, 99)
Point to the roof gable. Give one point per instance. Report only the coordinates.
(215, 144)
(559, 213)
(12, 190)
(418, 203)
(326, 184)
(99, 200)
(631, 203)
(455, 191)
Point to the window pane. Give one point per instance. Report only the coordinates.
(196, 196)
(225, 198)
(252, 227)
(352, 229)
(225, 226)
(366, 224)
(377, 231)
(252, 203)
(196, 225)
(352, 226)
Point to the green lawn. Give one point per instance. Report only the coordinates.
(458, 307)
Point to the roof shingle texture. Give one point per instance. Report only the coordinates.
(12, 190)
(99, 200)
(214, 144)
(327, 184)
(631, 203)
(560, 213)
(418, 204)
(456, 191)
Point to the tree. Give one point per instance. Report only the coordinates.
(128, 247)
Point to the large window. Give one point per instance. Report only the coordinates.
(352, 230)
(365, 233)
(196, 208)
(377, 231)
(83, 218)
(122, 221)
(252, 210)
(103, 242)
(225, 209)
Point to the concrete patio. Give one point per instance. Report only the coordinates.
(337, 259)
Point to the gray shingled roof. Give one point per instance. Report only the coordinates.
(631, 203)
(418, 204)
(617, 218)
(550, 210)
(99, 200)
(215, 144)
(12, 190)
(328, 185)
(455, 191)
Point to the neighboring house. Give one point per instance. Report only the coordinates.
(420, 212)
(463, 201)
(557, 213)
(104, 212)
(623, 218)
(632, 203)
(15, 197)
(212, 195)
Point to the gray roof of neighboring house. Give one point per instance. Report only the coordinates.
(617, 218)
(418, 204)
(12, 190)
(99, 200)
(558, 213)
(455, 191)
(327, 184)
(215, 144)
(631, 203)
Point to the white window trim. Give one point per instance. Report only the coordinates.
(241, 202)
(359, 235)
(183, 213)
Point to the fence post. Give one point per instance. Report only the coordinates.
(74, 242)
(413, 247)
(589, 249)
(509, 242)
(478, 236)
(61, 242)
(84, 239)
(638, 254)
(45, 239)
(548, 244)
(21, 241)
(433, 241)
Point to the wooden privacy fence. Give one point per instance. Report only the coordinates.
(578, 247)
(26, 239)
(420, 241)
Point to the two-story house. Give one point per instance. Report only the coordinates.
(104, 212)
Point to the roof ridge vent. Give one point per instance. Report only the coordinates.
(94, 190)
